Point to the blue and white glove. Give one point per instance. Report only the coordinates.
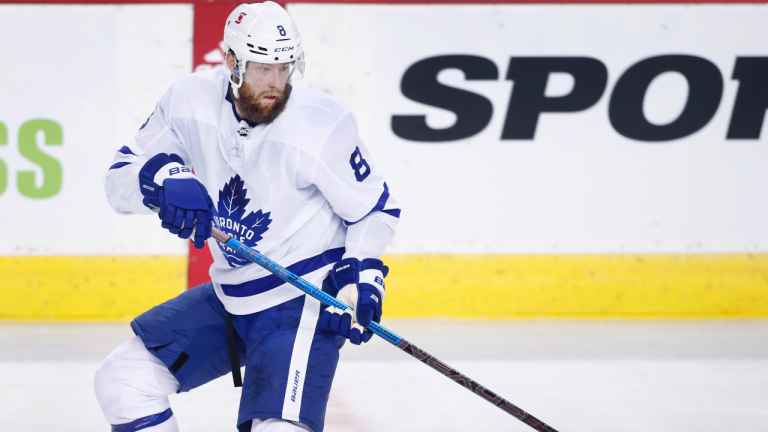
(359, 284)
(182, 202)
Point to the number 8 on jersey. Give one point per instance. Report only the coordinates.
(362, 170)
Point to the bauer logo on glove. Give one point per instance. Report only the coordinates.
(182, 202)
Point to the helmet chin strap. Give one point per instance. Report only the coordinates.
(236, 86)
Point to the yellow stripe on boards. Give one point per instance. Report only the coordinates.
(83, 288)
(450, 286)
(577, 286)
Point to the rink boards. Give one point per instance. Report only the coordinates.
(623, 177)
(456, 286)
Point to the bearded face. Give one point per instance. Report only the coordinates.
(264, 107)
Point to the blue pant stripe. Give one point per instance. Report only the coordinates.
(144, 422)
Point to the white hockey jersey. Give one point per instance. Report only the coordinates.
(302, 190)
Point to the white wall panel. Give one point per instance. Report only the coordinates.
(97, 71)
(579, 186)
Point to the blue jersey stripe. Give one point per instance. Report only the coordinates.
(119, 165)
(261, 285)
(393, 212)
(379, 207)
(126, 151)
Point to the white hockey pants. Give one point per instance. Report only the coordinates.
(133, 384)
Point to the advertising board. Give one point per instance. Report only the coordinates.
(577, 160)
(78, 82)
(554, 128)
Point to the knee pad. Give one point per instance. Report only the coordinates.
(132, 387)
(273, 425)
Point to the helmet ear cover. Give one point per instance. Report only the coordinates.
(238, 64)
(236, 75)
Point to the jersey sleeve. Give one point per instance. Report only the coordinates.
(348, 179)
(156, 135)
(371, 236)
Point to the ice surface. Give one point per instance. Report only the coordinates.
(702, 376)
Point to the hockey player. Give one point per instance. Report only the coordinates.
(287, 174)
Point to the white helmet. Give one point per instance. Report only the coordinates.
(263, 33)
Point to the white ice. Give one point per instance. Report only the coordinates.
(590, 376)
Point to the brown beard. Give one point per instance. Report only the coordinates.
(250, 108)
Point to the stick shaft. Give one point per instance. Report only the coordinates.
(474, 386)
(386, 334)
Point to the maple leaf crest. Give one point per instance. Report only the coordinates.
(230, 213)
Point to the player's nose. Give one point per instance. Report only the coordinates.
(274, 78)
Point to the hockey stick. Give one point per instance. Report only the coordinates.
(387, 335)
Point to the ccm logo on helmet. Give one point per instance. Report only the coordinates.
(528, 100)
(240, 18)
(283, 49)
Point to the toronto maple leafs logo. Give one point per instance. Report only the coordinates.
(230, 219)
